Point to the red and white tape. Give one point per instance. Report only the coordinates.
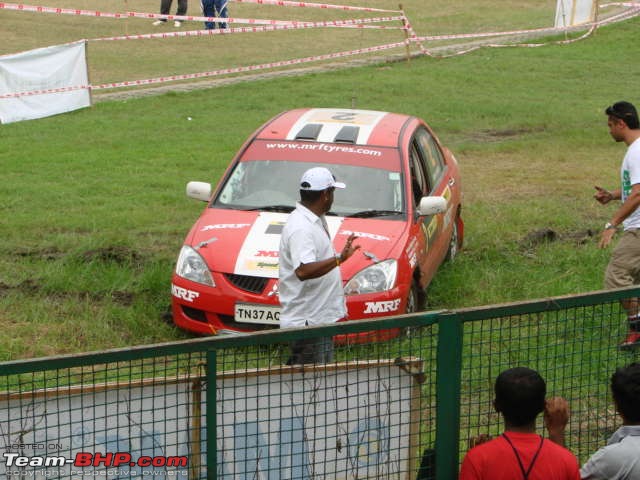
(60, 11)
(45, 92)
(258, 21)
(228, 31)
(93, 13)
(249, 21)
(122, 15)
(282, 3)
(250, 68)
(634, 11)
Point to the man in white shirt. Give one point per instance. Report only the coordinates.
(624, 267)
(620, 458)
(310, 285)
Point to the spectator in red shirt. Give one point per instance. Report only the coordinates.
(519, 453)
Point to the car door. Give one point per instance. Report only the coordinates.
(427, 173)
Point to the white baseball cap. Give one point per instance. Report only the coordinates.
(318, 179)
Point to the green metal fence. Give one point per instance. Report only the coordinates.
(403, 408)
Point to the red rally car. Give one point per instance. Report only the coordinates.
(403, 201)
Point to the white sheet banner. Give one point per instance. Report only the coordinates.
(43, 82)
(574, 12)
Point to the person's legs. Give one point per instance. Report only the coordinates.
(182, 10)
(208, 10)
(302, 351)
(165, 7)
(325, 353)
(222, 12)
(311, 350)
(623, 270)
(182, 7)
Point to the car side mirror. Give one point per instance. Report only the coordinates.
(199, 191)
(432, 205)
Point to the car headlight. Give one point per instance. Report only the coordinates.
(376, 278)
(192, 266)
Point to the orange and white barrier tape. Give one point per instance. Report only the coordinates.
(282, 3)
(621, 4)
(550, 30)
(60, 11)
(250, 68)
(250, 21)
(123, 15)
(258, 21)
(228, 31)
(45, 92)
(411, 34)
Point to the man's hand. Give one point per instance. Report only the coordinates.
(349, 248)
(556, 417)
(602, 196)
(606, 236)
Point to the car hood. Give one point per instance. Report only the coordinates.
(246, 243)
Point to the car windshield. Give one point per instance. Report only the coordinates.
(273, 186)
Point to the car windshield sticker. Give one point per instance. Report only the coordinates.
(258, 256)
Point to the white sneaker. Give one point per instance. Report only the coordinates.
(158, 23)
(177, 23)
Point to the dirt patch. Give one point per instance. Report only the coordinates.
(115, 254)
(548, 235)
(123, 298)
(32, 288)
(118, 297)
(488, 136)
(29, 287)
(48, 254)
(537, 237)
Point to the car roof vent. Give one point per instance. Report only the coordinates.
(347, 134)
(309, 132)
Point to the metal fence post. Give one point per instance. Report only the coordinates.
(449, 366)
(212, 427)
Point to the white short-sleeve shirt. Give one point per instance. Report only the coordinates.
(630, 175)
(316, 301)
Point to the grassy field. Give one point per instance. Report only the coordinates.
(95, 212)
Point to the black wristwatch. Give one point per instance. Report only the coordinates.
(610, 226)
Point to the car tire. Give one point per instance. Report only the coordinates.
(416, 302)
(453, 243)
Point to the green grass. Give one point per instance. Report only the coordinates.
(95, 212)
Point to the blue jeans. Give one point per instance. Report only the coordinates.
(214, 8)
(311, 350)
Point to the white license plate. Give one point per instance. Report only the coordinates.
(256, 313)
